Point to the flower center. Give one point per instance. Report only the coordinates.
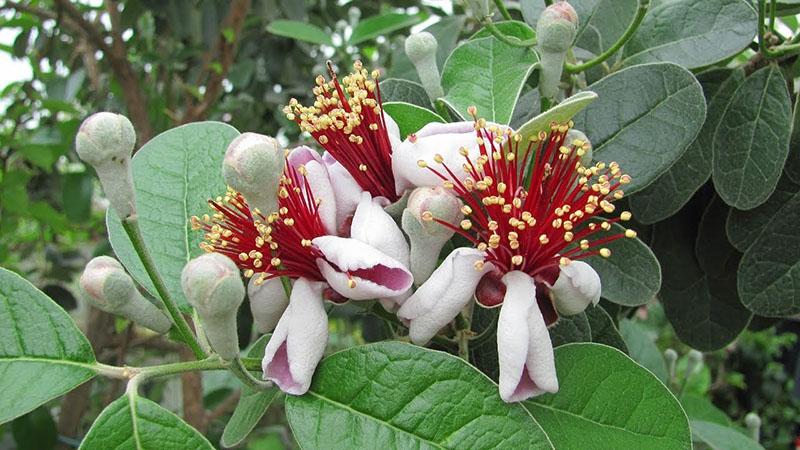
(347, 120)
(533, 210)
(275, 245)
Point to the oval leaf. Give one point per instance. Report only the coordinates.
(604, 331)
(410, 118)
(136, 423)
(642, 348)
(383, 24)
(744, 227)
(721, 437)
(751, 142)
(394, 395)
(302, 31)
(563, 112)
(488, 74)
(607, 401)
(691, 33)
(174, 176)
(645, 119)
(43, 354)
(397, 90)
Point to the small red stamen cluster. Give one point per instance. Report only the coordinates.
(275, 245)
(347, 120)
(533, 211)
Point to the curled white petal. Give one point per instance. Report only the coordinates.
(525, 352)
(320, 183)
(299, 340)
(359, 271)
(577, 286)
(439, 300)
(268, 301)
(374, 226)
(346, 190)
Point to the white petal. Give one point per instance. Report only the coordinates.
(376, 275)
(268, 301)
(320, 183)
(299, 340)
(577, 286)
(374, 226)
(438, 301)
(525, 353)
(346, 190)
(392, 129)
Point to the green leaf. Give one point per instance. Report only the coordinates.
(792, 168)
(699, 289)
(744, 227)
(133, 422)
(561, 113)
(252, 404)
(631, 276)
(397, 90)
(606, 400)
(720, 437)
(751, 142)
(395, 395)
(76, 195)
(673, 189)
(512, 28)
(43, 355)
(642, 348)
(174, 176)
(570, 329)
(769, 274)
(700, 408)
(383, 25)
(645, 119)
(488, 74)
(410, 118)
(603, 329)
(302, 31)
(35, 430)
(691, 33)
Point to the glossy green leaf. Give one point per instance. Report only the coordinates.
(40, 343)
(699, 290)
(136, 423)
(488, 74)
(410, 118)
(769, 273)
(751, 142)
(606, 400)
(700, 408)
(642, 348)
(744, 227)
(570, 329)
(631, 276)
(604, 331)
(719, 437)
(174, 176)
(397, 90)
(561, 113)
(592, 325)
(645, 119)
(302, 31)
(382, 25)
(252, 404)
(395, 395)
(691, 33)
(673, 189)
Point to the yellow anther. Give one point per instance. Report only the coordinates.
(275, 262)
(625, 216)
(630, 234)
(605, 253)
(466, 224)
(564, 261)
(516, 260)
(427, 216)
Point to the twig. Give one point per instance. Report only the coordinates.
(503, 10)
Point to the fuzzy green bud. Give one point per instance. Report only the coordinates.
(427, 237)
(106, 286)
(105, 140)
(253, 165)
(555, 33)
(671, 356)
(693, 360)
(213, 286)
(421, 50)
(753, 423)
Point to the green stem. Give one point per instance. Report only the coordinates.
(544, 104)
(644, 5)
(442, 110)
(241, 372)
(287, 286)
(502, 8)
(131, 226)
(772, 16)
(510, 40)
(548, 2)
(762, 43)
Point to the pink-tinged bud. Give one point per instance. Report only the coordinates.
(427, 208)
(106, 286)
(421, 50)
(105, 140)
(214, 287)
(555, 33)
(253, 165)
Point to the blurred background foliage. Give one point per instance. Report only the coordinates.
(165, 63)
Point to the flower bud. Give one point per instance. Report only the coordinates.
(105, 140)
(253, 165)
(581, 142)
(753, 423)
(694, 360)
(421, 50)
(213, 286)
(478, 8)
(268, 301)
(555, 33)
(671, 356)
(427, 236)
(106, 286)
